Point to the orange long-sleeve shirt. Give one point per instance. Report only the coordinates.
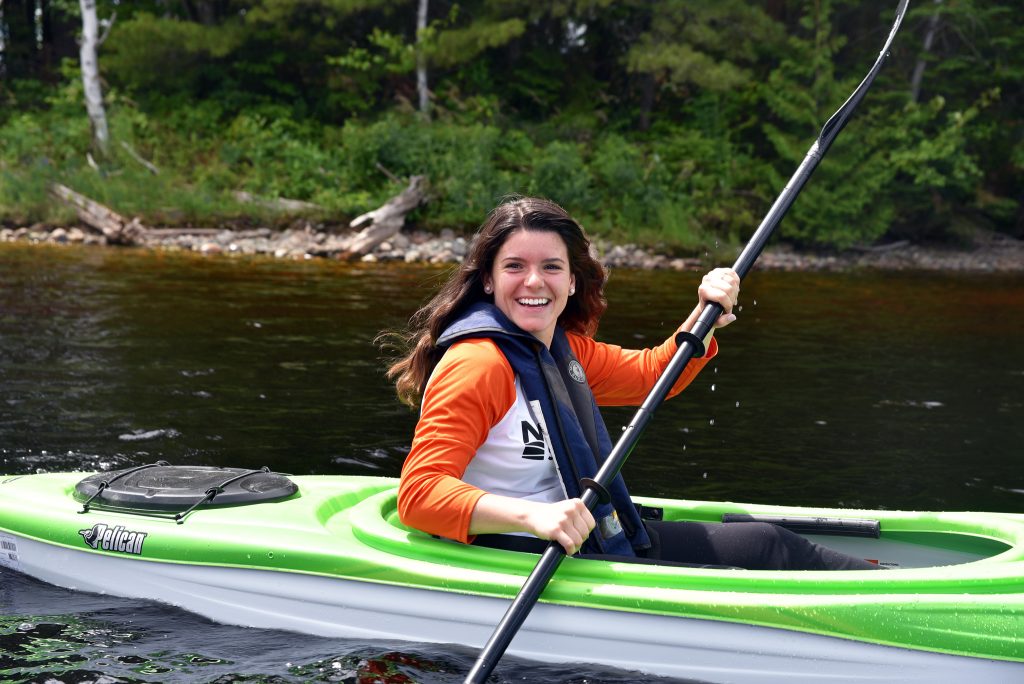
(471, 390)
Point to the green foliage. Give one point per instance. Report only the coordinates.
(702, 44)
(167, 55)
(675, 122)
(457, 45)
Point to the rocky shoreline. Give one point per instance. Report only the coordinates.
(990, 253)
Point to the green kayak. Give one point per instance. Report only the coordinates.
(327, 555)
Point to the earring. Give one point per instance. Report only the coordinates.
(572, 291)
(487, 289)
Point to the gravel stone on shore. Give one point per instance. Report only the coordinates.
(991, 252)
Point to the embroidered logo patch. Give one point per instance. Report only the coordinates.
(576, 372)
(609, 525)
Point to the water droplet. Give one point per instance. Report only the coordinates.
(712, 387)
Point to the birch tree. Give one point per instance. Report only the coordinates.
(91, 75)
(421, 58)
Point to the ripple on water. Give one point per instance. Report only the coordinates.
(146, 435)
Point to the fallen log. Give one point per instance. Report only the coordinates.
(278, 203)
(385, 221)
(176, 232)
(114, 227)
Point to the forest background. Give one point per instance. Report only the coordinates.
(672, 123)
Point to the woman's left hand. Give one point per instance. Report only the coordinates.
(721, 285)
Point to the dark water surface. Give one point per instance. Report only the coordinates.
(876, 390)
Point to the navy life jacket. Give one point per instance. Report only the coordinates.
(555, 379)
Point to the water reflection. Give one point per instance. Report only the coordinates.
(890, 390)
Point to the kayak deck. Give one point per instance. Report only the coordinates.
(956, 587)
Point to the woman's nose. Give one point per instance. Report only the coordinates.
(533, 279)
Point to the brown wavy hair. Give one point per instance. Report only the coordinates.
(416, 348)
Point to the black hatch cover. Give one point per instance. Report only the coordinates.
(161, 487)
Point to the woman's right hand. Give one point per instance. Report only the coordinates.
(567, 522)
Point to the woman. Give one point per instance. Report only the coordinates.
(510, 379)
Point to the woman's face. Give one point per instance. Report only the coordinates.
(531, 280)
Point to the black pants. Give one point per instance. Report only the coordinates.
(748, 545)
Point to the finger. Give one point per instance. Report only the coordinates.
(570, 541)
(580, 529)
(720, 296)
(725, 319)
(588, 518)
(567, 544)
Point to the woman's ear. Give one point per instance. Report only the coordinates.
(488, 288)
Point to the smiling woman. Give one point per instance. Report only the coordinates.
(511, 377)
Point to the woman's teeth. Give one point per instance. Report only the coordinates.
(533, 302)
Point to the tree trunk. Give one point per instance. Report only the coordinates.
(421, 59)
(116, 228)
(387, 220)
(91, 76)
(929, 38)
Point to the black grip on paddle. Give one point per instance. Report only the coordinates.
(602, 494)
(684, 336)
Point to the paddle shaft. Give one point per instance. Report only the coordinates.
(554, 553)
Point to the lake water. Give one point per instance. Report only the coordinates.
(868, 389)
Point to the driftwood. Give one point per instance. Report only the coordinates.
(176, 232)
(385, 221)
(276, 204)
(878, 249)
(116, 228)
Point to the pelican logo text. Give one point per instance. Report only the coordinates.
(117, 538)
(576, 372)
